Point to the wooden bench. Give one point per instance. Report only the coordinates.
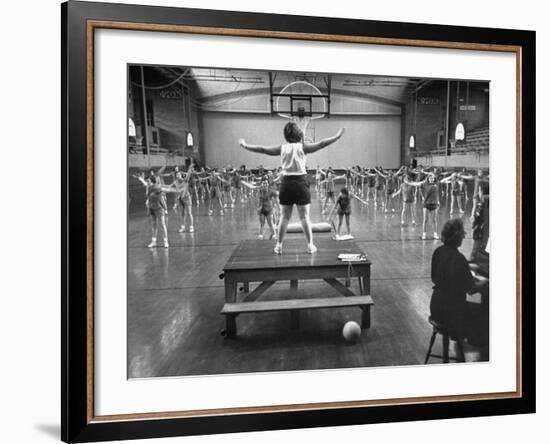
(232, 310)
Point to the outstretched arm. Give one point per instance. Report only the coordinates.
(380, 173)
(249, 185)
(397, 192)
(313, 147)
(141, 178)
(415, 184)
(274, 150)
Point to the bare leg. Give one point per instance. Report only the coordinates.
(403, 213)
(303, 213)
(210, 204)
(270, 225)
(340, 220)
(434, 223)
(154, 229)
(164, 231)
(347, 223)
(196, 192)
(262, 223)
(424, 220)
(286, 213)
(412, 207)
(474, 205)
(189, 215)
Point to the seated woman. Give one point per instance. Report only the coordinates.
(452, 279)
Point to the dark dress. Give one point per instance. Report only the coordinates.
(452, 280)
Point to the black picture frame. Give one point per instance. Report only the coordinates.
(77, 422)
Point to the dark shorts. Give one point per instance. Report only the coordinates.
(295, 190)
(408, 201)
(458, 192)
(330, 194)
(183, 201)
(344, 213)
(265, 211)
(157, 213)
(431, 206)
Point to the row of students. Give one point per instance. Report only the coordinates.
(220, 187)
(224, 186)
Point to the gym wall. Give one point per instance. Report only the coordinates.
(369, 140)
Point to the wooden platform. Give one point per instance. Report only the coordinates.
(255, 254)
(255, 261)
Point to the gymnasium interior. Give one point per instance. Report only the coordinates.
(183, 116)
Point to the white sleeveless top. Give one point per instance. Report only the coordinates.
(293, 159)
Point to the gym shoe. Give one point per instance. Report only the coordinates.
(311, 249)
(210, 212)
(278, 248)
(153, 244)
(165, 243)
(260, 236)
(221, 213)
(191, 228)
(181, 229)
(436, 236)
(413, 223)
(424, 237)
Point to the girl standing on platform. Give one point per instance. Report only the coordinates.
(294, 183)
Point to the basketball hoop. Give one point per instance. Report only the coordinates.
(302, 99)
(298, 95)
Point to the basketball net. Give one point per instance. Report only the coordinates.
(303, 123)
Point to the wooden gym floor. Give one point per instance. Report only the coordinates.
(175, 297)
